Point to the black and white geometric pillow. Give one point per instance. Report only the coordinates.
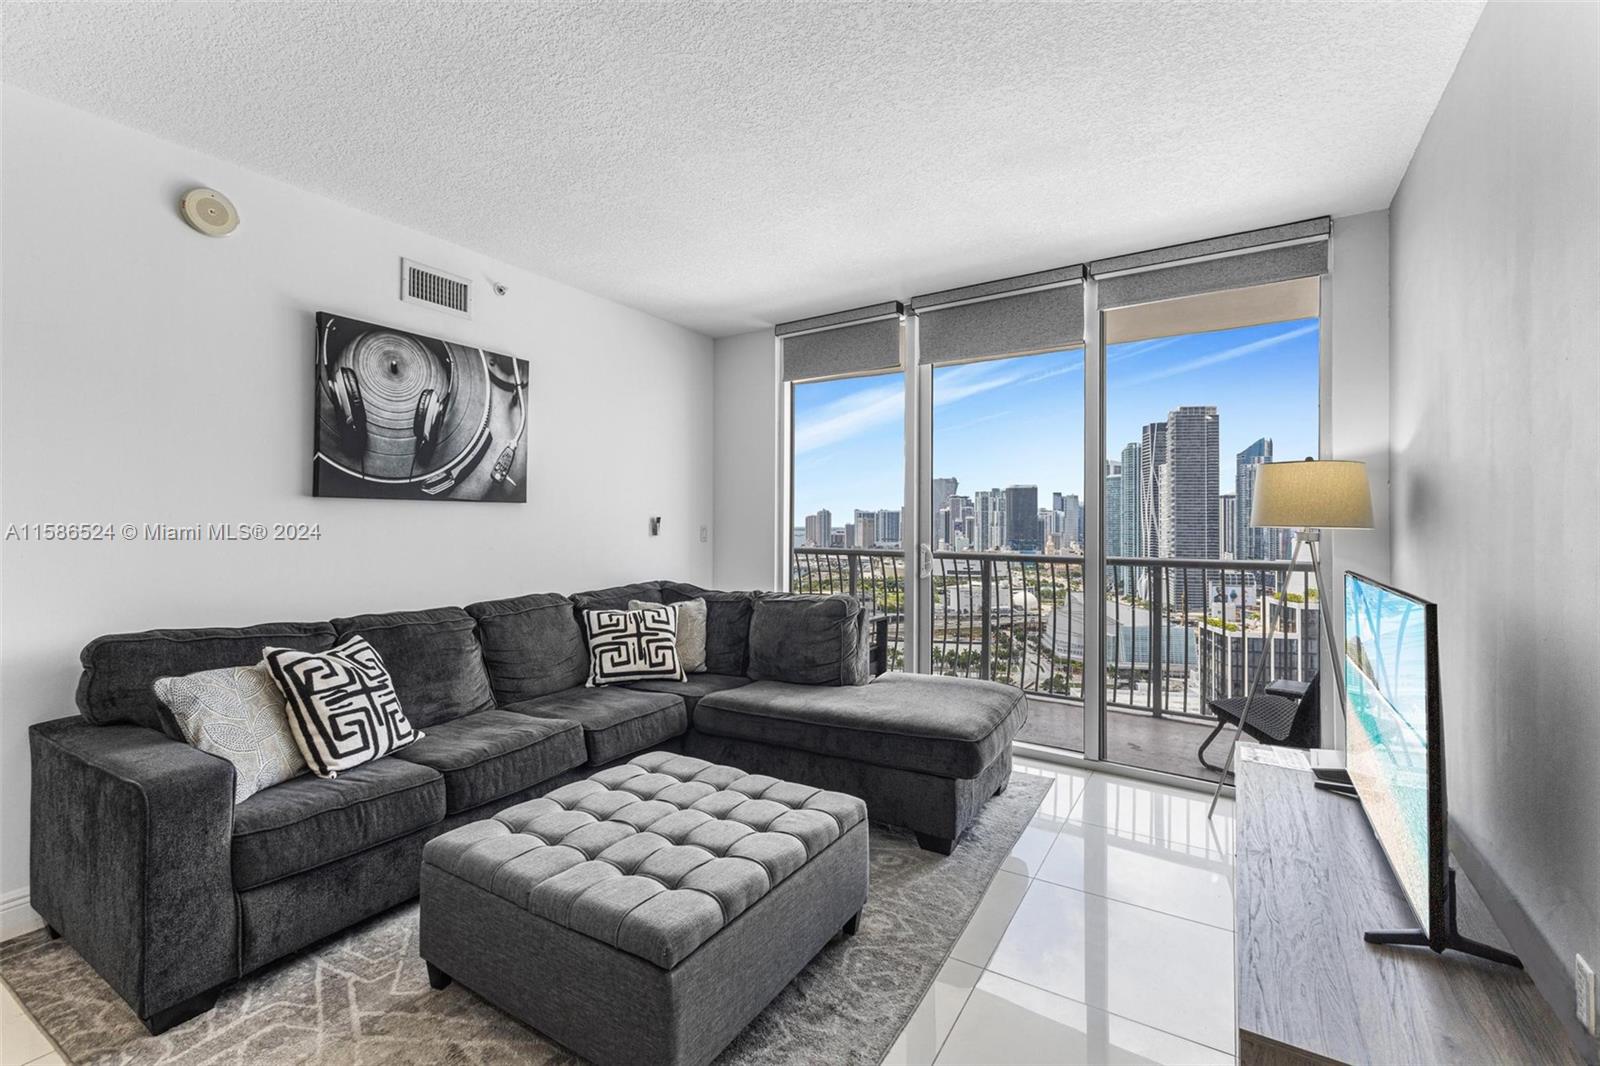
(633, 645)
(343, 710)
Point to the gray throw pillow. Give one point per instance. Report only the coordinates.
(236, 713)
(691, 632)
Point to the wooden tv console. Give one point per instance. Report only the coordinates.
(1310, 878)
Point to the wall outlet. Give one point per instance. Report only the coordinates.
(705, 534)
(1583, 979)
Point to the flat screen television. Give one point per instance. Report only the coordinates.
(1394, 735)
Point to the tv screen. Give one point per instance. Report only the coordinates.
(1393, 735)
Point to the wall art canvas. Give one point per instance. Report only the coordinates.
(407, 417)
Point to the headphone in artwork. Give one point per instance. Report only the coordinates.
(344, 391)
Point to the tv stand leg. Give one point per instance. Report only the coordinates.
(1468, 946)
(1452, 939)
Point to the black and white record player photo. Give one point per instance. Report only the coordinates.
(403, 416)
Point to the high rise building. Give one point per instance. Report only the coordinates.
(1114, 511)
(1023, 533)
(1152, 454)
(1189, 498)
(1130, 544)
(1070, 508)
(983, 510)
(819, 529)
(866, 529)
(1248, 541)
(1227, 524)
(888, 527)
(943, 489)
(959, 509)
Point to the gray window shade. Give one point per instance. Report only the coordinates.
(1298, 250)
(1034, 313)
(861, 341)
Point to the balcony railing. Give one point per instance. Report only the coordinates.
(1177, 631)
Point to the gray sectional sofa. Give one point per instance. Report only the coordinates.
(170, 890)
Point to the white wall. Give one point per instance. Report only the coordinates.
(154, 375)
(1357, 424)
(1496, 389)
(746, 534)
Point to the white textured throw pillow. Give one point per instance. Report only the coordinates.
(236, 713)
(691, 632)
(343, 709)
(633, 645)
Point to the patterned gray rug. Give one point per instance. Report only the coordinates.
(363, 997)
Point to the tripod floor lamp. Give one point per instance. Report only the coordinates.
(1307, 497)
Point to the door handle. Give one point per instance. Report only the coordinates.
(924, 561)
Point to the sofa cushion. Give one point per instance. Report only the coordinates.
(617, 722)
(119, 670)
(943, 726)
(809, 640)
(727, 624)
(341, 705)
(532, 645)
(633, 645)
(616, 597)
(491, 754)
(433, 657)
(236, 713)
(690, 637)
(302, 824)
(694, 687)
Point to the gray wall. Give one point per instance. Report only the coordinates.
(1495, 422)
(155, 375)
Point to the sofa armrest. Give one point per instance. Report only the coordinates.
(131, 834)
(880, 644)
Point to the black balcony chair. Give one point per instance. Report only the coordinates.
(1285, 713)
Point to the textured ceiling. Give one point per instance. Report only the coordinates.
(729, 166)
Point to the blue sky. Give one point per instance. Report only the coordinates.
(1020, 421)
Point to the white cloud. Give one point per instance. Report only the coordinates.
(850, 416)
(1224, 356)
(883, 405)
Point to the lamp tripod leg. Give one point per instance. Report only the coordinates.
(1255, 677)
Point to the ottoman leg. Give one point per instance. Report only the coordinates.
(50, 931)
(853, 924)
(941, 845)
(437, 978)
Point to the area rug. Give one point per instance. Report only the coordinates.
(362, 997)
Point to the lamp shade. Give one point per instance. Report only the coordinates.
(1314, 494)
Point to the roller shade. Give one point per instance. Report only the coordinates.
(1040, 312)
(859, 341)
(1280, 253)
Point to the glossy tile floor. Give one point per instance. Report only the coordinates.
(1106, 937)
(23, 1043)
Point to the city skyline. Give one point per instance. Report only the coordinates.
(849, 439)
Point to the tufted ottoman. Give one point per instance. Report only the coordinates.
(647, 914)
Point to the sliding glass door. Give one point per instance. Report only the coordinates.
(1199, 391)
(1005, 498)
(847, 480)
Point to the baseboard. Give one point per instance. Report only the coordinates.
(1551, 973)
(16, 917)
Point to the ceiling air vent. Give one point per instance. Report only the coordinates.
(443, 292)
